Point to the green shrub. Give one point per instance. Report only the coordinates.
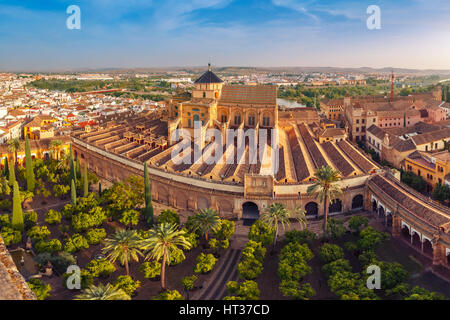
(50, 246)
(254, 249)
(191, 237)
(225, 230)
(392, 274)
(60, 262)
(367, 258)
(303, 236)
(261, 232)
(11, 236)
(5, 221)
(169, 295)
(130, 218)
(76, 243)
(53, 217)
(292, 289)
(39, 288)
(188, 282)
(29, 219)
(127, 284)
(169, 216)
(5, 204)
(248, 290)
(371, 239)
(336, 228)
(225, 244)
(249, 268)
(100, 267)
(39, 233)
(204, 263)
(356, 222)
(330, 252)
(340, 265)
(95, 236)
(350, 246)
(177, 256)
(151, 269)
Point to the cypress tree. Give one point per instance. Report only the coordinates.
(17, 215)
(73, 193)
(73, 174)
(6, 167)
(78, 168)
(148, 197)
(85, 181)
(12, 175)
(31, 180)
(99, 188)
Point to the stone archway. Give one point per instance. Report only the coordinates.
(335, 207)
(358, 202)
(382, 214)
(250, 213)
(416, 240)
(312, 210)
(427, 247)
(406, 233)
(374, 205)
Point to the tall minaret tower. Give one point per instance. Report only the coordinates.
(392, 86)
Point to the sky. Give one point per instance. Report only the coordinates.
(260, 33)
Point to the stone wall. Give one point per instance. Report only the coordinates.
(12, 285)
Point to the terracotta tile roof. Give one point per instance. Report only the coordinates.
(410, 201)
(338, 160)
(301, 169)
(240, 94)
(316, 155)
(332, 132)
(361, 161)
(431, 136)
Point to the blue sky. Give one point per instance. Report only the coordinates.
(151, 33)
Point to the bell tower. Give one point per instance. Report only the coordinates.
(209, 85)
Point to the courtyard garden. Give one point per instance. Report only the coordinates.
(120, 248)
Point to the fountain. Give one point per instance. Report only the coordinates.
(24, 262)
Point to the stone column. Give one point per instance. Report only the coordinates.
(396, 225)
(438, 252)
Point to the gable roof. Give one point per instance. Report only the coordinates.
(241, 94)
(431, 136)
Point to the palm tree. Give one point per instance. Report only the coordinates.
(300, 215)
(14, 145)
(102, 292)
(274, 215)
(326, 189)
(163, 240)
(56, 146)
(205, 221)
(125, 246)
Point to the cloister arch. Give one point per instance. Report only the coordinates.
(358, 202)
(312, 210)
(335, 207)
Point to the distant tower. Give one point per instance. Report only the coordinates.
(392, 86)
